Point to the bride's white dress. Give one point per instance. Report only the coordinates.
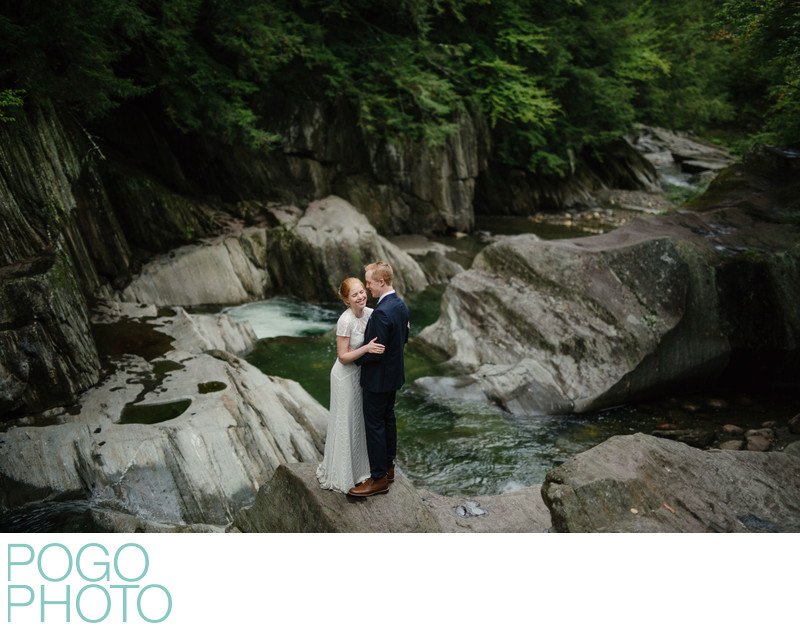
(345, 462)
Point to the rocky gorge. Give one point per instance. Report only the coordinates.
(577, 324)
(176, 431)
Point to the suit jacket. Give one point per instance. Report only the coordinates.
(389, 323)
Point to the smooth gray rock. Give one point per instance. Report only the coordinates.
(214, 272)
(124, 448)
(431, 256)
(518, 511)
(343, 241)
(579, 324)
(307, 255)
(640, 483)
(293, 502)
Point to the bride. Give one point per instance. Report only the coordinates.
(345, 463)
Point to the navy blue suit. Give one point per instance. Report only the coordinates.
(382, 375)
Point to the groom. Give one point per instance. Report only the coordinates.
(381, 377)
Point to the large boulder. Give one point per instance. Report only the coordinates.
(641, 483)
(306, 254)
(173, 435)
(579, 324)
(342, 242)
(663, 147)
(294, 502)
(217, 271)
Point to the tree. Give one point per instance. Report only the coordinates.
(767, 34)
(65, 51)
(555, 78)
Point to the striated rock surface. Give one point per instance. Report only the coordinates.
(640, 483)
(293, 502)
(46, 351)
(506, 190)
(421, 188)
(62, 239)
(663, 147)
(172, 436)
(401, 187)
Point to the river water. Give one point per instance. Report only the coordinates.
(461, 447)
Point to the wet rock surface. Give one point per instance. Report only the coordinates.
(47, 354)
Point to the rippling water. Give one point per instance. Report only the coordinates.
(284, 316)
(68, 516)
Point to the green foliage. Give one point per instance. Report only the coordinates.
(9, 98)
(555, 79)
(210, 59)
(692, 93)
(397, 88)
(66, 51)
(767, 35)
(509, 93)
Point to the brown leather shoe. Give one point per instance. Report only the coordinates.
(370, 487)
(390, 473)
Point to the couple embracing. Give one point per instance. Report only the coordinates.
(361, 444)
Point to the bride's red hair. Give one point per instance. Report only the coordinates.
(346, 287)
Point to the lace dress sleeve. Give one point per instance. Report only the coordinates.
(344, 326)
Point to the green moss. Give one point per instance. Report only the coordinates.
(210, 386)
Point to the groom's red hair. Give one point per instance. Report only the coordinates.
(381, 271)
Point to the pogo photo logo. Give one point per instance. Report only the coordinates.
(56, 584)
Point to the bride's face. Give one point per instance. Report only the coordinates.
(358, 296)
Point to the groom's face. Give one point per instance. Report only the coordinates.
(373, 286)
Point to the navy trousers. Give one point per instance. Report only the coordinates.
(381, 428)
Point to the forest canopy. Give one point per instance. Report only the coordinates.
(554, 78)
